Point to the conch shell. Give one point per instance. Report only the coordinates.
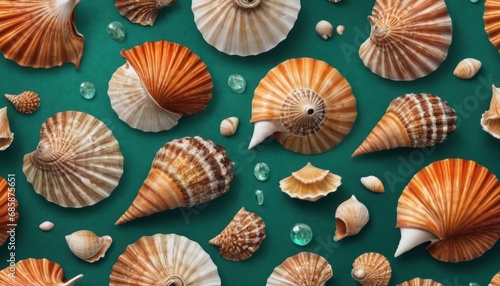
(8, 218)
(26, 102)
(305, 268)
(467, 68)
(491, 19)
(420, 282)
(371, 269)
(229, 125)
(143, 12)
(373, 184)
(350, 217)
(87, 246)
(490, 121)
(495, 281)
(6, 136)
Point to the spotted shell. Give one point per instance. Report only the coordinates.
(87, 246)
(6, 135)
(371, 269)
(491, 19)
(420, 282)
(495, 281)
(467, 68)
(350, 217)
(490, 120)
(305, 268)
(26, 102)
(8, 210)
(143, 12)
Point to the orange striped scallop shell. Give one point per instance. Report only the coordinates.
(304, 268)
(420, 282)
(491, 19)
(8, 210)
(36, 272)
(495, 281)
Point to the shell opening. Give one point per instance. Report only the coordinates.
(247, 3)
(341, 229)
(174, 280)
(358, 274)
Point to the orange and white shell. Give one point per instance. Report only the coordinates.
(491, 19)
(143, 12)
(454, 204)
(160, 82)
(6, 135)
(245, 27)
(305, 268)
(40, 34)
(306, 104)
(77, 162)
(495, 281)
(350, 217)
(373, 184)
(8, 210)
(371, 269)
(165, 259)
(467, 68)
(408, 40)
(420, 282)
(26, 102)
(87, 246)
(490, 120)
(241, 238)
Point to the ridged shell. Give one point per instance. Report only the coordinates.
(371, 269)
(164, 259)
(310, 183)
(6, 136)
(256, 26)
(373, 184)
(160, 82)
(306, 104)
(304, 269)
(185, 172)
(420, 282)
(77, 162)
(87, 246)
(490, 120)
(324, 29)
(467, 68)
(228, 126)
(241, 237)
(350, 217)
(495, 281)
(40, 34)
(453, 203)
(411, 120)
(143, 12)
(491, 19)
(408, 40)
(26, 102)
(8, 211)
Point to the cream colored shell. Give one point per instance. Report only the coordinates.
(26, 102)
(7, 217)
(46, 225)
(467, 68)
(324, 29)
(371, 269)
(420, 282)
(491, 19)
(229, 126)
(490, 120)
(87, 246)
(350, 217)
(305, 268)
(143, 12)
(6, 135)
(340, 29)
(373, 184)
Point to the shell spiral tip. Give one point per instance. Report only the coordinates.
(73, 281)
(264, 129)
(412, 237)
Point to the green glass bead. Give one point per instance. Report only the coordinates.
(473, 1)
(472, 283)
(237, 83)
(261, 171)
(301, 234)
(259, 197)
(87, 90)
(117, 31)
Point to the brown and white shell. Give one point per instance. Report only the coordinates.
(241, 238)
(77, 162)
(26, 102)
(164, 259)
(373, 184)
(495, 281)
(490, 120)
(305, 268)
(350, 217)
(143, 12)
(420, 282)
(491, 19)
(6, 135)
(40, 34)
(371, 269)
(411, 120)
(408, 40)
(467, 68)
(160, 82)
(184, 173)
(229, 126)
(8, 210)
(87, 246)
(454, 204)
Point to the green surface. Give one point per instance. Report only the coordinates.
(59, 90)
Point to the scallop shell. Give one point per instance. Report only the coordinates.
(77, 162)
(164, 259)
(305, 268)
(371, 269)
(46, 225)
(241, 238)
(228, 126)
(160, 82)
(373, 184)
(496, 280)
(185, 172)
(408, 40)
(490, 121)
(6, 136)
(8, 211)
(491, 19)
(411, 120)
(143, 12)
(26, 102)
(467, 68)
(40, 34)
(350, 217)
(420, 282)
(453, 203)
(324, 29)
(306, 104)
(87, 245)
(310, 183)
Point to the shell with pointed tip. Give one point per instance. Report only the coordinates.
(490, 120)
(411, 120)
(6, 136)
(491, 19)
(164, 259)
(453, 203)
(495, 281)
(324, 29)
(160, 82)
(420, 282)
(26, 102)
(87, 246)
(6, 218)
(228, 126)
(467, 68)
(350, 217)
(373, 184)
(143, 12)
(305, 268)
(408, 40)
(77, 162)
(371, 269)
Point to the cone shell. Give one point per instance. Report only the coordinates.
(491, 19)
(420, 282)
(241, 237)
(143, 12)
(373, 184)
(8, 210)
(77, 162)
(411, 120)
(310, 183)
(255, 26)
(324, 29)
(350, 217)
(467, 68)
(457, 201)
(185, 172)
(87, 245)
(408, 40)
(496, 280)
(26, 102)
(305, 268)
(6, 136)
(228, 126)
(160, 82)
(164, 259)
(371, 269)
(490, 121)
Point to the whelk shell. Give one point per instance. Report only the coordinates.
(491, 19)
(495, 281)
(305, 268)
(420, 282)
(350, 217)
(371, 269)
(228, 126)
(87, 245)
(324, 29)
(373, 184)
(143, 12)
(7, 202)
(6, 136)
(46, 225)
(467, 68)
(490, 120)
(26, 102)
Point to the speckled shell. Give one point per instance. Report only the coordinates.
(495, 281)
(185, 172)
(6, 136)
(350, 217)
(302, 269)
(8, 210)
(491, 19)
(411, 120)
(77, 162)
(408, 40)
(143, 12)
(371, 269)
(87, 246)
(373, 184)
(467, 68)
(490, 120)
(26, 102)
(229, 126)
(420, 282)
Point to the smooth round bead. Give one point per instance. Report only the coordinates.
(472, 283)
(87, 90)
(237, 83)
(474, 1)
(259, 197)
(261, 171)
(116, 31)
(301, 234)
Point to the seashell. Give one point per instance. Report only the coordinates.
(241, 238)
(256, 26)
(373, 184)
(467, 68)
(334, 1)
(490, 120)
(350, 217)
(495, 281)
(408, 39)
(324, 29)
(162, 81)
(305, 268)
(8, 218)
(371, 269)
(26, 102)
(411, 120)
(87, 246)
(40, 34)
(310, 183)
(491, 19)
(228, 126)
(420, 282)
(340, 29)
(185, 172)
(293, 103)
(77, 162)
(142, 12)
(6, 136)
(46, 225)
(453, 203)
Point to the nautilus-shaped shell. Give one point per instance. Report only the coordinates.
(26, 102)
(306, 104)
(255, 26)
(420, 282)
(8, 210)
(467, 68)
(411, 120)
(143, 12)
(495, 281)
(490, 120)
(350, 217)
(454, 204)
(302, 269)
(87, 245)
(373, 184)
(371, 269)
(185, 172)
(6, 135)
(77, 162)
(161, 82)
(491, 19)
(408, 40)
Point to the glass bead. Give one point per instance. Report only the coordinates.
(116, 31)
(472, 283)
(261, 171)
(301, 234)
(237, 83)
(259, 197)
(87, 90)
(473, 1)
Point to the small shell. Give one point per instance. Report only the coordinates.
(495, 281)
(87, 245)
(371, 269)
(350, 217)
(334, 1)
(324, 29)
(6, 218)
(490, 121)
(228, 126)
(340, 29)
(26, 102)
(373, 184)
(491, 19)
(420, 282)
(467, 68)
(305, 268)
(143, 12)
(46, 225)
(6, 136)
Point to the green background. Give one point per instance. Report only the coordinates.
(58, 88)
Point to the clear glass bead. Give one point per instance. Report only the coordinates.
(301, 234)
(259, 197)
(472, 283)
(87, 90)
(237, 83)
(116, 31)
(261, 171)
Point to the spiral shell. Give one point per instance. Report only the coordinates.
(143, 12)
(495, 281)
(373, 184)
(350, 217)
(87, 245)
(26, 102)
(467, 68)
(8, 210)
(490, 120)
(371, 269)
(324, 29)
(6, 136)
(420, 282)
(305, 268)
(491, 19)
(228, 126)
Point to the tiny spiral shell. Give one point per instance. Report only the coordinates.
(373, 184)
(26, 102)
(467, 68)
(324, 29)
(229, 126)
(87, 245)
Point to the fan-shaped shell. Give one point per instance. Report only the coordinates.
(490, 120)
(373, 184)
(143, 12)
(371, 269)
(185, 172)
(245, 27)
(453, 203)
(350, 217)
(467, 68)
(87, 245)
(491, 19)
(495, 281)
(160, 82)
(408, 40)
(8, 210)
(26, 102)
(6, 136)
(164, 259)
(306, 104)
(420, 282)
(77, 162)
(302, 269)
